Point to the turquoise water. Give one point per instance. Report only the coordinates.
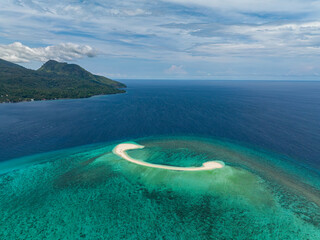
(90, 193)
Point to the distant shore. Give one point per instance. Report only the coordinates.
(53, 80)
(53, 99)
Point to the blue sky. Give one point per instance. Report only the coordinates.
(168, 39)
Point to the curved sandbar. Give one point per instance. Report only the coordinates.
(121, 149)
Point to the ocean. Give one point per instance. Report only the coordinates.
(60, 179)
(283, 117)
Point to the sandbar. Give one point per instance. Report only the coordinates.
(121, 149)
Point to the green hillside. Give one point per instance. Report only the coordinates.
(53, 80)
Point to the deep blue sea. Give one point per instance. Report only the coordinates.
(278, 116)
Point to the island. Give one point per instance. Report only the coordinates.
(53, 80)
(121, 149)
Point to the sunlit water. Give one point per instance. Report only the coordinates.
(87, 192)
(92, 193)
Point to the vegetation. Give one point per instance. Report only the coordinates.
(53, 80)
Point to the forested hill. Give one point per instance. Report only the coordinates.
(53, 80)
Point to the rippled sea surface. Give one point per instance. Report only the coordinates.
(60, 180)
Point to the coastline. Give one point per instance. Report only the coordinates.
(53, 99)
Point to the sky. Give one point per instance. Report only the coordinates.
(167, 39)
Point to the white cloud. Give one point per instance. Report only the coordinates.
(17, 52)
(254, 5)
(294, 39)
(128, 12)
(176, 69)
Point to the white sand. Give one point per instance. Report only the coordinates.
(121, 149)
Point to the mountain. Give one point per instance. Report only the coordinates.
(53, 80)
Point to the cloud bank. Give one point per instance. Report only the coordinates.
(19, 53)
(254, 5)
(174, 69)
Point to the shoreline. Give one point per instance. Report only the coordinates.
(54, 99)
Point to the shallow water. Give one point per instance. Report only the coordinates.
(91, 193)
